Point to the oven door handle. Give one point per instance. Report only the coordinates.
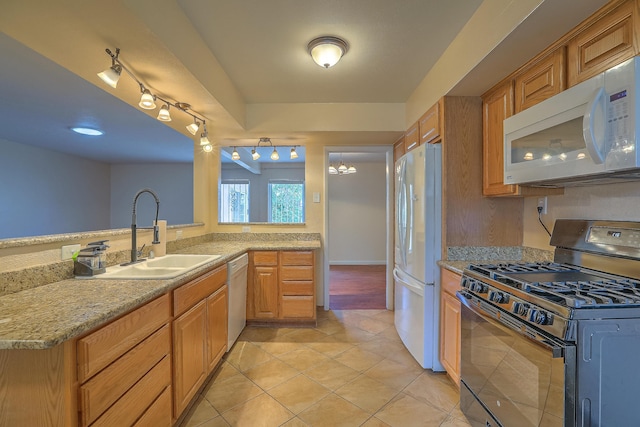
(505, 320)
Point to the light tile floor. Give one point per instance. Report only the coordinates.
(351, 370)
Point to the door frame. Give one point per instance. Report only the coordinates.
(388, 150)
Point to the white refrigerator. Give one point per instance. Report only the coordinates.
(418, 213)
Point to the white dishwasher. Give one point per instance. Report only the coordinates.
(237, 282)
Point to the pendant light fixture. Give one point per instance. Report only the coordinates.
(326, 51)
(342, 169)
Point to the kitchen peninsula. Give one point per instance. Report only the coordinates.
(42, 329)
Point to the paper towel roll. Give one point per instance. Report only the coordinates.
(160, 249)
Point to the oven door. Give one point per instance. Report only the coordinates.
(511, 374)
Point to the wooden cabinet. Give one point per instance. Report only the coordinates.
(125, 366)
(297, 293)
(604, 41)
(199, 333)
(281, 286)
(429, 125)
(497, 105)
(540, 80)
(398, 149)
(412, 137)
(263, 290)
(450, 323)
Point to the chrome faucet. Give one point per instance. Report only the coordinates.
(155, 228)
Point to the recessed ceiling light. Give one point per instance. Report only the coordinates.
(87, 131)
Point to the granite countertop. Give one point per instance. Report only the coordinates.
(48, 315)
(461, 257)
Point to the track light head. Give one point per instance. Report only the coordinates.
(235, 155)
(274, 154)
(293, 154)
(163, 114)
(254, 154)
(111, 75)
(193, 127)
(207, 148)
(147, 100)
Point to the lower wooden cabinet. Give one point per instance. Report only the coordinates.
(281, 286)
(450, 323)
(199, 334)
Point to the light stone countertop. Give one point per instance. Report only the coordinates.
(48, 315)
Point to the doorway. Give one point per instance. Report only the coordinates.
(358, 250)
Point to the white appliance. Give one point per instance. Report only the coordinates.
(585, 134)
(237, 303)
(418, 177)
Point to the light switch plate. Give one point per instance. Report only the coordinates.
(66, 252)
(316, 197)
(246, 228)
(178, 234)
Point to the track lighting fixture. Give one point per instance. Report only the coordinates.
(163, 114)
(148, 99)
(293, 154)
(193, 127)
(235, 155)
(255, 155)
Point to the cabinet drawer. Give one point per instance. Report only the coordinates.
(101, 391)
(265, 258)
(449, 281)
(296, 272)
(296, 258)
(159, 413)
(298, 307)
(295, 287)
(195, 291)
(139, 397)
(99, 349)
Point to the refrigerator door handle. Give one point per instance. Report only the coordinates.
(415, 288)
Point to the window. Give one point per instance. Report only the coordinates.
(234, 201)
(286, 201)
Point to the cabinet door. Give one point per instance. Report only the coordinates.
(450, 335)
(189, 354)
(265, 292)
(430, 125)
(541, 80)
(398, 149)
(496, 106)
(607, 42)
(216, 327)
(412, 138)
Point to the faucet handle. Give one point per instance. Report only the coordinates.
(141, 249)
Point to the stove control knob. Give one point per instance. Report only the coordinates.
(498, 297)
(540, 317)
(465, 283)
(520, 308)
(478, 287)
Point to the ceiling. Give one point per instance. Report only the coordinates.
(225, 57)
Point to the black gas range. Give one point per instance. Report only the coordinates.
(573, 322)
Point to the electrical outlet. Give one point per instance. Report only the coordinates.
(66, 252)
(542, 203)
(246, 229)
(178, 234)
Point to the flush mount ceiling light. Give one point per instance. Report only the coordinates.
(326, 51)
(87, 131)
(148, 99)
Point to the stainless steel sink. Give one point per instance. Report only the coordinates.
(166, 267)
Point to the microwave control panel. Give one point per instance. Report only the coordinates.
(618, 116)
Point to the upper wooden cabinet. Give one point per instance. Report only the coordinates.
(603, 41)
(497, 105)
(412, 137)
(398, 149)
(540, 80)
(429, 124)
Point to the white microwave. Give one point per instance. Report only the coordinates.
(583, 135)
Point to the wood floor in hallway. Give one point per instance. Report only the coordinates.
(357, 287)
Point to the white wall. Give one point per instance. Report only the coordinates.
(357, 216)
(259, 184)
(613, 202)
(46, 192)
(172, 182)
